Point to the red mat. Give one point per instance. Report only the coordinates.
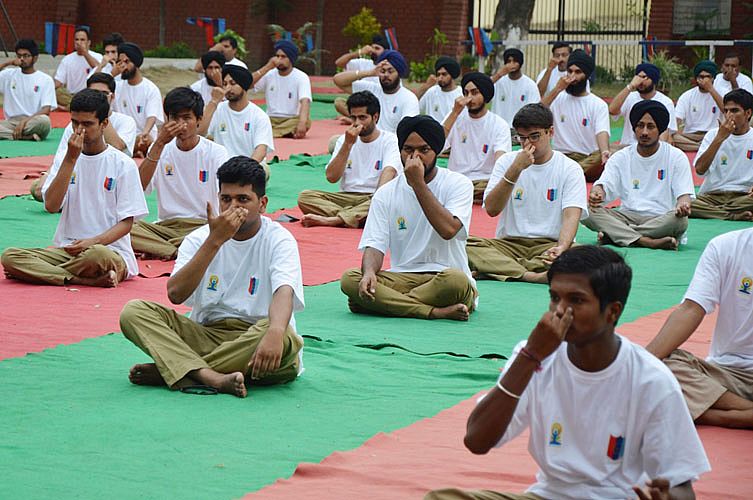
(430, 454)
(315, 142)
(17, 174)
(59, 119)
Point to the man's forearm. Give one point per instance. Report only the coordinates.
(149, 165)
(55, 194)
(336, 166)
(450, 122)
(544, 82)
(677, 329)
(260, 153)
(115, 232)
(704, 161)
(149, 124)
(439, 217)
(281, 309)
(602, 141)
(372, 261)
(616, 105)
(303, 113)
(570, 220)
(548, 99)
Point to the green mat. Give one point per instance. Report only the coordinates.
(320, 110)
(13, 149)
(75, 427)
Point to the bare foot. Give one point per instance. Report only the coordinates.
(603, 239)
(458, 312)
(666, 243)
(530, 277)
(107, 280)
(145, 374)
(746, 216)
(230, 383)
(311, 220)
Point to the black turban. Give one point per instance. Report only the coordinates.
(656, 109)
(651, 71)
(482, 82)
(448, 63)
(427, 127)
(705, 65)
(516, 54)
(381, 41)
(212, 55)
(133, 52)
(239, 74)
(582, 60)
(289, 48)
(397, 61)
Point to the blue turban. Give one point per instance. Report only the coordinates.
(650, 70)
(397, 61)
(289, 48)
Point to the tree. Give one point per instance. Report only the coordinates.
(511, 22)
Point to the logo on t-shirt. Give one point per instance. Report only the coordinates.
(36, 88)
(73, 178)
(169, 169)
(584, 122)
(724, 160)
(125, 104)
(109, 183)
(713, 109)
(378, 165)
(88, 70)
(745, 285)
(213, 282)
(518, 194)
(695, 110)
(253, 285)
(436, 108)
(139, 108)
(502, 97)
(551, 194)
(13, 86)
(401, 223)
(562, 118)
(636, 183)
(394, 109)
(616, 447)
(203, 175)
(485, 149)
(523, 98)
(350, 162)
(463, 138)
(223, 127)
(555, 437)
(246, 126)
(749, 154)
(290, 95)
(661, 174)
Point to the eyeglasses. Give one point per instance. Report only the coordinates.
(530, 137)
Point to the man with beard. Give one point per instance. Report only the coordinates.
(228, 47)
(581, 119)
(437, 96)
(364, 159)
(28, 95)
(109, 62)
(360, 60)
(556, 69)
(395, 101)
(422, 218)
(212, 62)
(138, 97)
(541, 196)
(698, 109)
(182, 166)
(730, 78)
(641, 87)
(75, 68)
(653, 181)
(725, 160)
(287, 91)
(512, 89)
(476, 136)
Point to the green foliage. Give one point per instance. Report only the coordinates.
(468, 63)
(420, 70)
(241, 42)
(701, 52)
(178, 50)
(673, 73)
(437, 40)
(604, 75)
(363, 26)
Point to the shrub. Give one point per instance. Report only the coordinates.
(178, 50)
(362, 26)
(241, 53)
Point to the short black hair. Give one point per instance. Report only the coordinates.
(100, 77)
(181, 98)
(231, 39)
(113, 39)
(732, 55)
(243, 171)
(533, 116)
(741, 97)
(364, 99)
(607, 272)
(85, 29)
(91, 101)
(561, 45)
(28, 44)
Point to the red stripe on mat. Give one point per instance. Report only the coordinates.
(59, 119)
(430, 454)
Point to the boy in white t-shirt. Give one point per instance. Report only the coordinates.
(212, 62)
(76, 67)
(28, 96)
(364, 159)
(653, 181)
(437, 95)
(98, 189)
(287, 91)
(512, 89)
(359, 60)
(476, 137)
(421, 218)
(604, 415)
(719, 389)
(109, 62)
(541, 195)
(699, 109)
(228, 47)
(730, 78)
(725, 160)
(555, 69)
(241, 273)
(182, 166)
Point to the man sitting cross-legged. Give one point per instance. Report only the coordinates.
(653, 181)
(422, 218)
(241, 273)
(437, 95)
(719, 389)
(364, 159)
(98, 189)
(602, 413)
(541, 195)
(182, 166)
(698, 109)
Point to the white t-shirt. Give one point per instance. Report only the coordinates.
(732, 167)
(237, 62)
(366, 162)
(241, 131)
(104, 189)
(140, 102)
(187, 180)
(124, 126)
(203, 88)
(698, 110)
(539, 196)
(511, 95)
(437, 103)
(475, 142)
(724, 278)
(362, 64)
(397, 223)
(647, 186)
(394, 107)
(25, 95)
(284, 93)
(628, 135)
(73, 71)
(577, 120)
(596, 434)
(554, 77)
(724, 86)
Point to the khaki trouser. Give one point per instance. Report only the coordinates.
(507, 258)
(720, 205)
(55, 266)
(352, 208)
(410, 295)
(590, 163)
(625, 228)
(703, 383)
(178, 345)
(162, 239)
(688, 141)
(456, 494)
(39, 125)
(64, 98)
(479, 187)
(282, 126)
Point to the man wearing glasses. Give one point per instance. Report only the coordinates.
(699, 109)
(28, 95)
(541, 196)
